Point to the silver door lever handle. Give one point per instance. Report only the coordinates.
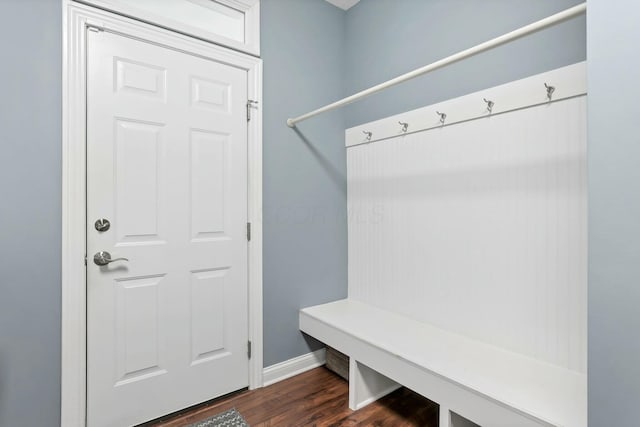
(104, 258)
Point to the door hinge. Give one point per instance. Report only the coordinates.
(249, 349)
(85, 260)
(251, 104)
(248, 232)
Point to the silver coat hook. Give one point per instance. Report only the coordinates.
(404, 125)
(443, 116)
(369, 134)
(550, 90)
(490, 104)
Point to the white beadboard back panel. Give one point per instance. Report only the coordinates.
(479, 228)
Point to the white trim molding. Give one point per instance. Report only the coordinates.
(246, 38)
(292, 367)
(76, 18)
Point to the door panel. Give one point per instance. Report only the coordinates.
(208, 169)
(207, 310)
(167, 166)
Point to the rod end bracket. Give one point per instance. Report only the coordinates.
(291, 123)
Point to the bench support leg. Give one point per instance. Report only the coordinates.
(366, 385)
(445, 417)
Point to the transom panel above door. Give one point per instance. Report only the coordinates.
(231, 23)
(167, 170)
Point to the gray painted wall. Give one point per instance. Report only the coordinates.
(305, 229)
(384, 40)
(30, 212)
(614, 212)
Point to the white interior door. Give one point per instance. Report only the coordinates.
(167, 167)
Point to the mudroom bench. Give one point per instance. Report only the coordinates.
(490, 386)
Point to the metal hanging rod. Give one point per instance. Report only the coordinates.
(482, 47)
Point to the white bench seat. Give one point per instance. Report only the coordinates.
(486, 384)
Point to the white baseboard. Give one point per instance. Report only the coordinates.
(292, 367)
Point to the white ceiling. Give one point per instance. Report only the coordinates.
(343, 4)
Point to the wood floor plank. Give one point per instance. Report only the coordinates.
(317, 398)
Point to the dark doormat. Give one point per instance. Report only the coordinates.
(230, 418)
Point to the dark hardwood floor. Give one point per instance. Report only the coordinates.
(315, 398)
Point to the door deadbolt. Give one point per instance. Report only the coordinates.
(102, 224)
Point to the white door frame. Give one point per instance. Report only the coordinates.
(76, 19)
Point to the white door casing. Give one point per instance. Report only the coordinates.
(77, 18)
(167, 166)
